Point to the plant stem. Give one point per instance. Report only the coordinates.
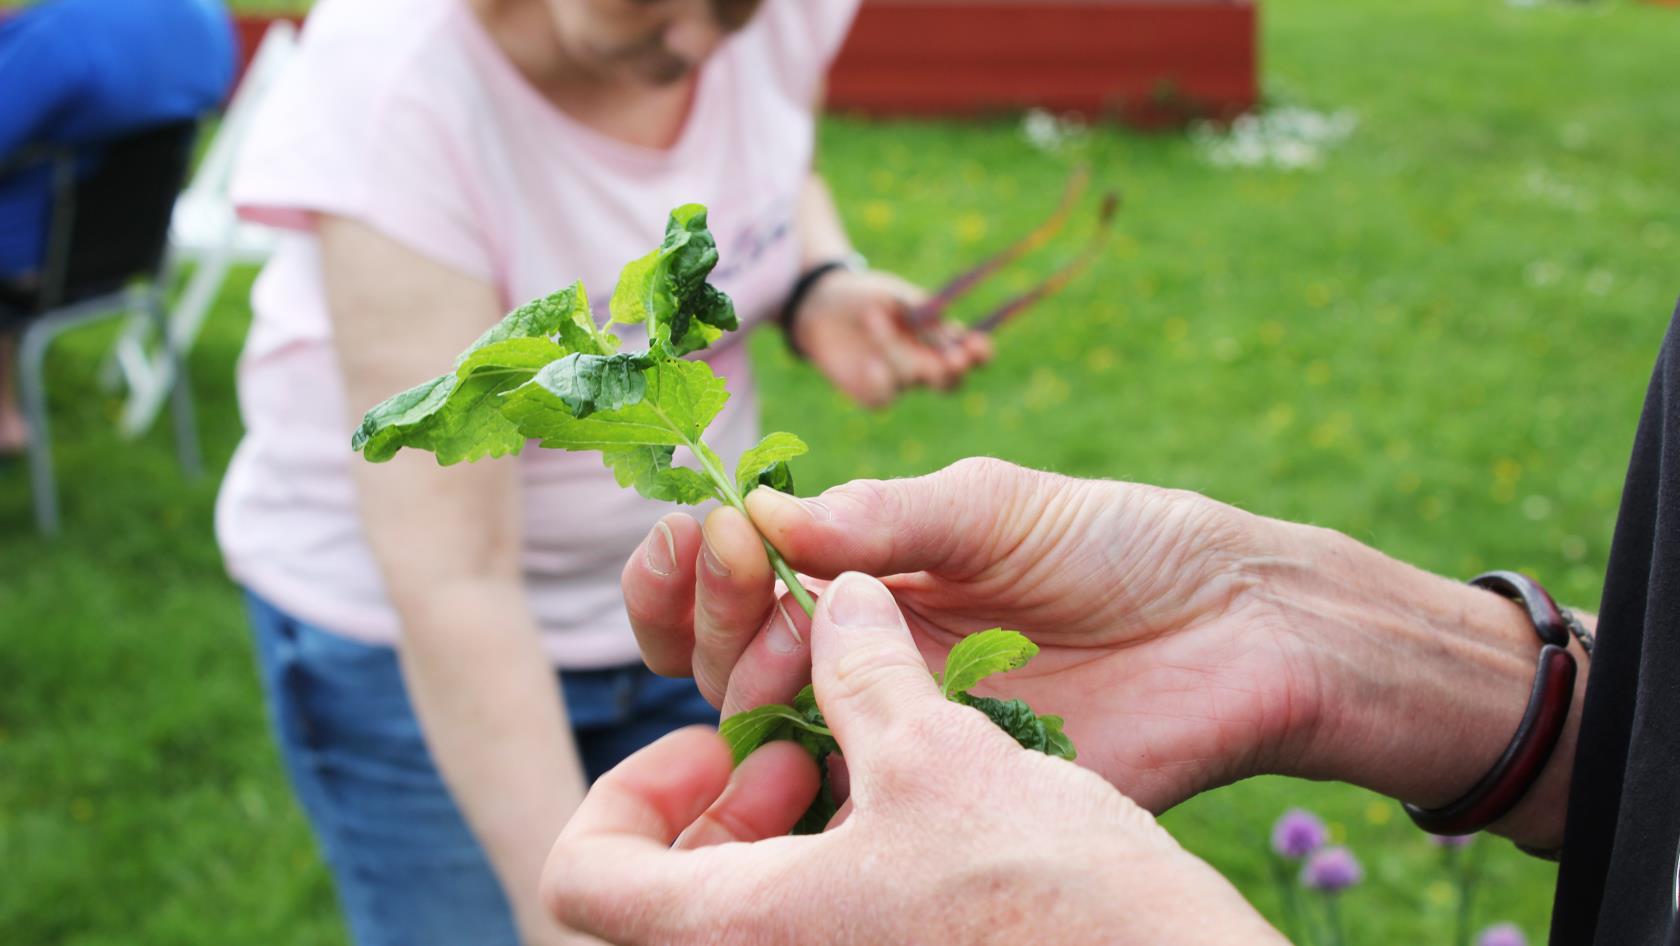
(726, 489)
(1288, 900)
(1334, 916)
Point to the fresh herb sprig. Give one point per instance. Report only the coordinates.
(973, 659)
(548, 372)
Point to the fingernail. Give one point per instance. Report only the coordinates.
(782, 638)
(809, 507)
(713, 563)
(859, 601)
(659, 550)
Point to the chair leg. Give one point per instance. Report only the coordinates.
(180, 393)
(32, 389)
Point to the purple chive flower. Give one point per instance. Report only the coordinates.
(1451, 840)
(1298, 834)
(1505, 934)
(1331, 870)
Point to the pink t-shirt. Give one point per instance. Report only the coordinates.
(405, 115)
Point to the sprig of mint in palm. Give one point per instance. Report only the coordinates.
(973, 659)
(548, 372)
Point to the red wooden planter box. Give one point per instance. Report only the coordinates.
(1150, 62)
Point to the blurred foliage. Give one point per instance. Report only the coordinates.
(1438, 342)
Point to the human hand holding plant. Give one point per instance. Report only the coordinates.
(1187, 643)
(955, 833)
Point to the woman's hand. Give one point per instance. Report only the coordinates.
(1187, 643)
(954, 833)
(854, 326)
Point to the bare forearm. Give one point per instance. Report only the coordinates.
(1425, 680)
(822, 235)
(494, 721)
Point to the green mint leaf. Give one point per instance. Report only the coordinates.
(978, 656)
(1056, 742)
(457, 416)
(648, 470)
(745, 732)
(806, 703)
(1018, 720)
(667, 289)
(590, 383)
(564, 313)
(522, 356)
(385, 428)
(822, 808)
(679, 399)
(766, 464)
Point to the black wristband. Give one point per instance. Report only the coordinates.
(796, 297)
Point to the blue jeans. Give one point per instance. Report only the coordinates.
(407, 869)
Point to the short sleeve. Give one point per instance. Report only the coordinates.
(805, 36)
(358, 127)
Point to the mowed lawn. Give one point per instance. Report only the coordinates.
(1438, 342)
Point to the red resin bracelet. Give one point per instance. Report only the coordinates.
(1531, 747)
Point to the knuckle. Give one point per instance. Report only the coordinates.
(972, 472)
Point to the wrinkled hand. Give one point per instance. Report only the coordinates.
(854, 328)
(954, 835)
(1174, 673)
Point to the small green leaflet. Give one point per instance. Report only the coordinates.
(667, 288)
(1039, 733)
(564, 313)
(747, 731)
(766, 464)
(457, 416)
(975, 657)
(978, 656)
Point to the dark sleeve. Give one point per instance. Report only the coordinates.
(1616, 883)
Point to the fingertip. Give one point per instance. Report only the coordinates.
(659, 790)
(766, 796)
(775, 665)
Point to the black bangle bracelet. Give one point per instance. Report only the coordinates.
(796, 296)
(1499, 791)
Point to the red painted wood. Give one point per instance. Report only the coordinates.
(1150, 62)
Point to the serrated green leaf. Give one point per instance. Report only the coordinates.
(633, 298)
(648, 470)
(1056, 742)
(667, 288)
(385, 427)
(762, 461)
(526, 356)
(978, 656)
(564, 313)
(590, 383)
(745, 732)
(806, 703)
(680, 399)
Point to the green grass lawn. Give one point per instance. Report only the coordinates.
(1438, 342)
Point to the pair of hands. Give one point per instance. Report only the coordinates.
(1172, 678)
(855, 328)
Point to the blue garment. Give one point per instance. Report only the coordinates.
(407, 869)
(78, 72)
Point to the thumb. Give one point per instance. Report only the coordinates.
(868, 675)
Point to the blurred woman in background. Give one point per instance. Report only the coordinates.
(437, 162)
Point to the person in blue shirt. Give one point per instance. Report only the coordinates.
(80, 72)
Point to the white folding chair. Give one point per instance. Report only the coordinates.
(206, 232)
